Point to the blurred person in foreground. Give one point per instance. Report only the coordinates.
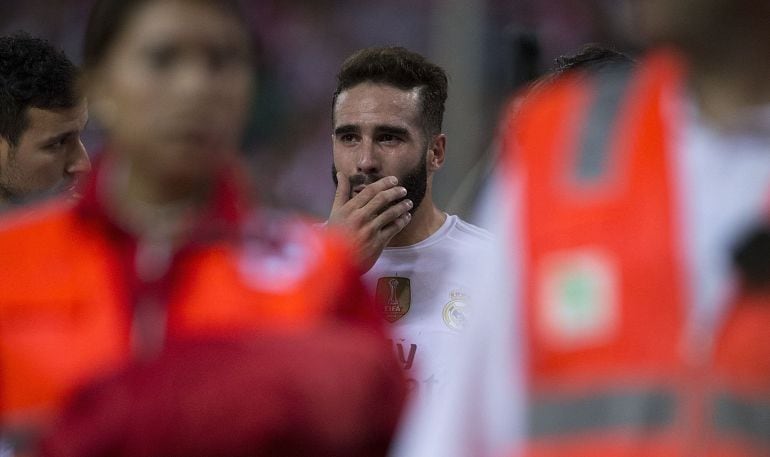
(633, 211)
(42, 114)
(387, 145)
(164, 314)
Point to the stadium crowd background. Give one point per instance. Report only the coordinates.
(487, 47)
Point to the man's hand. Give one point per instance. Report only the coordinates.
(371, 217)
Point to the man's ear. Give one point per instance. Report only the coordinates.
(436, 152)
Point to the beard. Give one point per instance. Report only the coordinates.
(415, 181)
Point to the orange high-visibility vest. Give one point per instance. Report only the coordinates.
(604, 275)
(66, 297)
(740, 404)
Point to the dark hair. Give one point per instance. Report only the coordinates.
(592, 58)
(401, 68)
(109, 17)
(33, 74)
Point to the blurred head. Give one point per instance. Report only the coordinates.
(171, 82)
(42, 115)
(387, 112)
(592, 58)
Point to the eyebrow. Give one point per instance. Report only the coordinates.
(59, 137)
(345, 129)
(392, 130)
(380, 129)
(70, 133)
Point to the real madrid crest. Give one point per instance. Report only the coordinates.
(393, 297)
(456, 311)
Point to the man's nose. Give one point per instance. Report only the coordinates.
(368, 159)
(79, 162)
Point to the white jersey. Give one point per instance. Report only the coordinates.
(427, 294)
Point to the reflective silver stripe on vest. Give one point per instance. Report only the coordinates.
(18, 442)
(637, 411)
(743, 418)
(600, 123)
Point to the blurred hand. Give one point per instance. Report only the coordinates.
(372, 217)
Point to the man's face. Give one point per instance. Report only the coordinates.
(48, 157)
(175, 89)
(378, 133)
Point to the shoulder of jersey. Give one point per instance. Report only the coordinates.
(473, 232)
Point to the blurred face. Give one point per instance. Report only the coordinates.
(378, 133)
(49, 156)
(174, 90)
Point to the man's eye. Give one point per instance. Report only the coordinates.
(225, 58)
(58, 144)
(387, 138)
(347, 138)
(161, 58)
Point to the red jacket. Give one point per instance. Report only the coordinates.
(71, 293)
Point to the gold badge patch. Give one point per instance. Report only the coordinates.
(393, 296)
